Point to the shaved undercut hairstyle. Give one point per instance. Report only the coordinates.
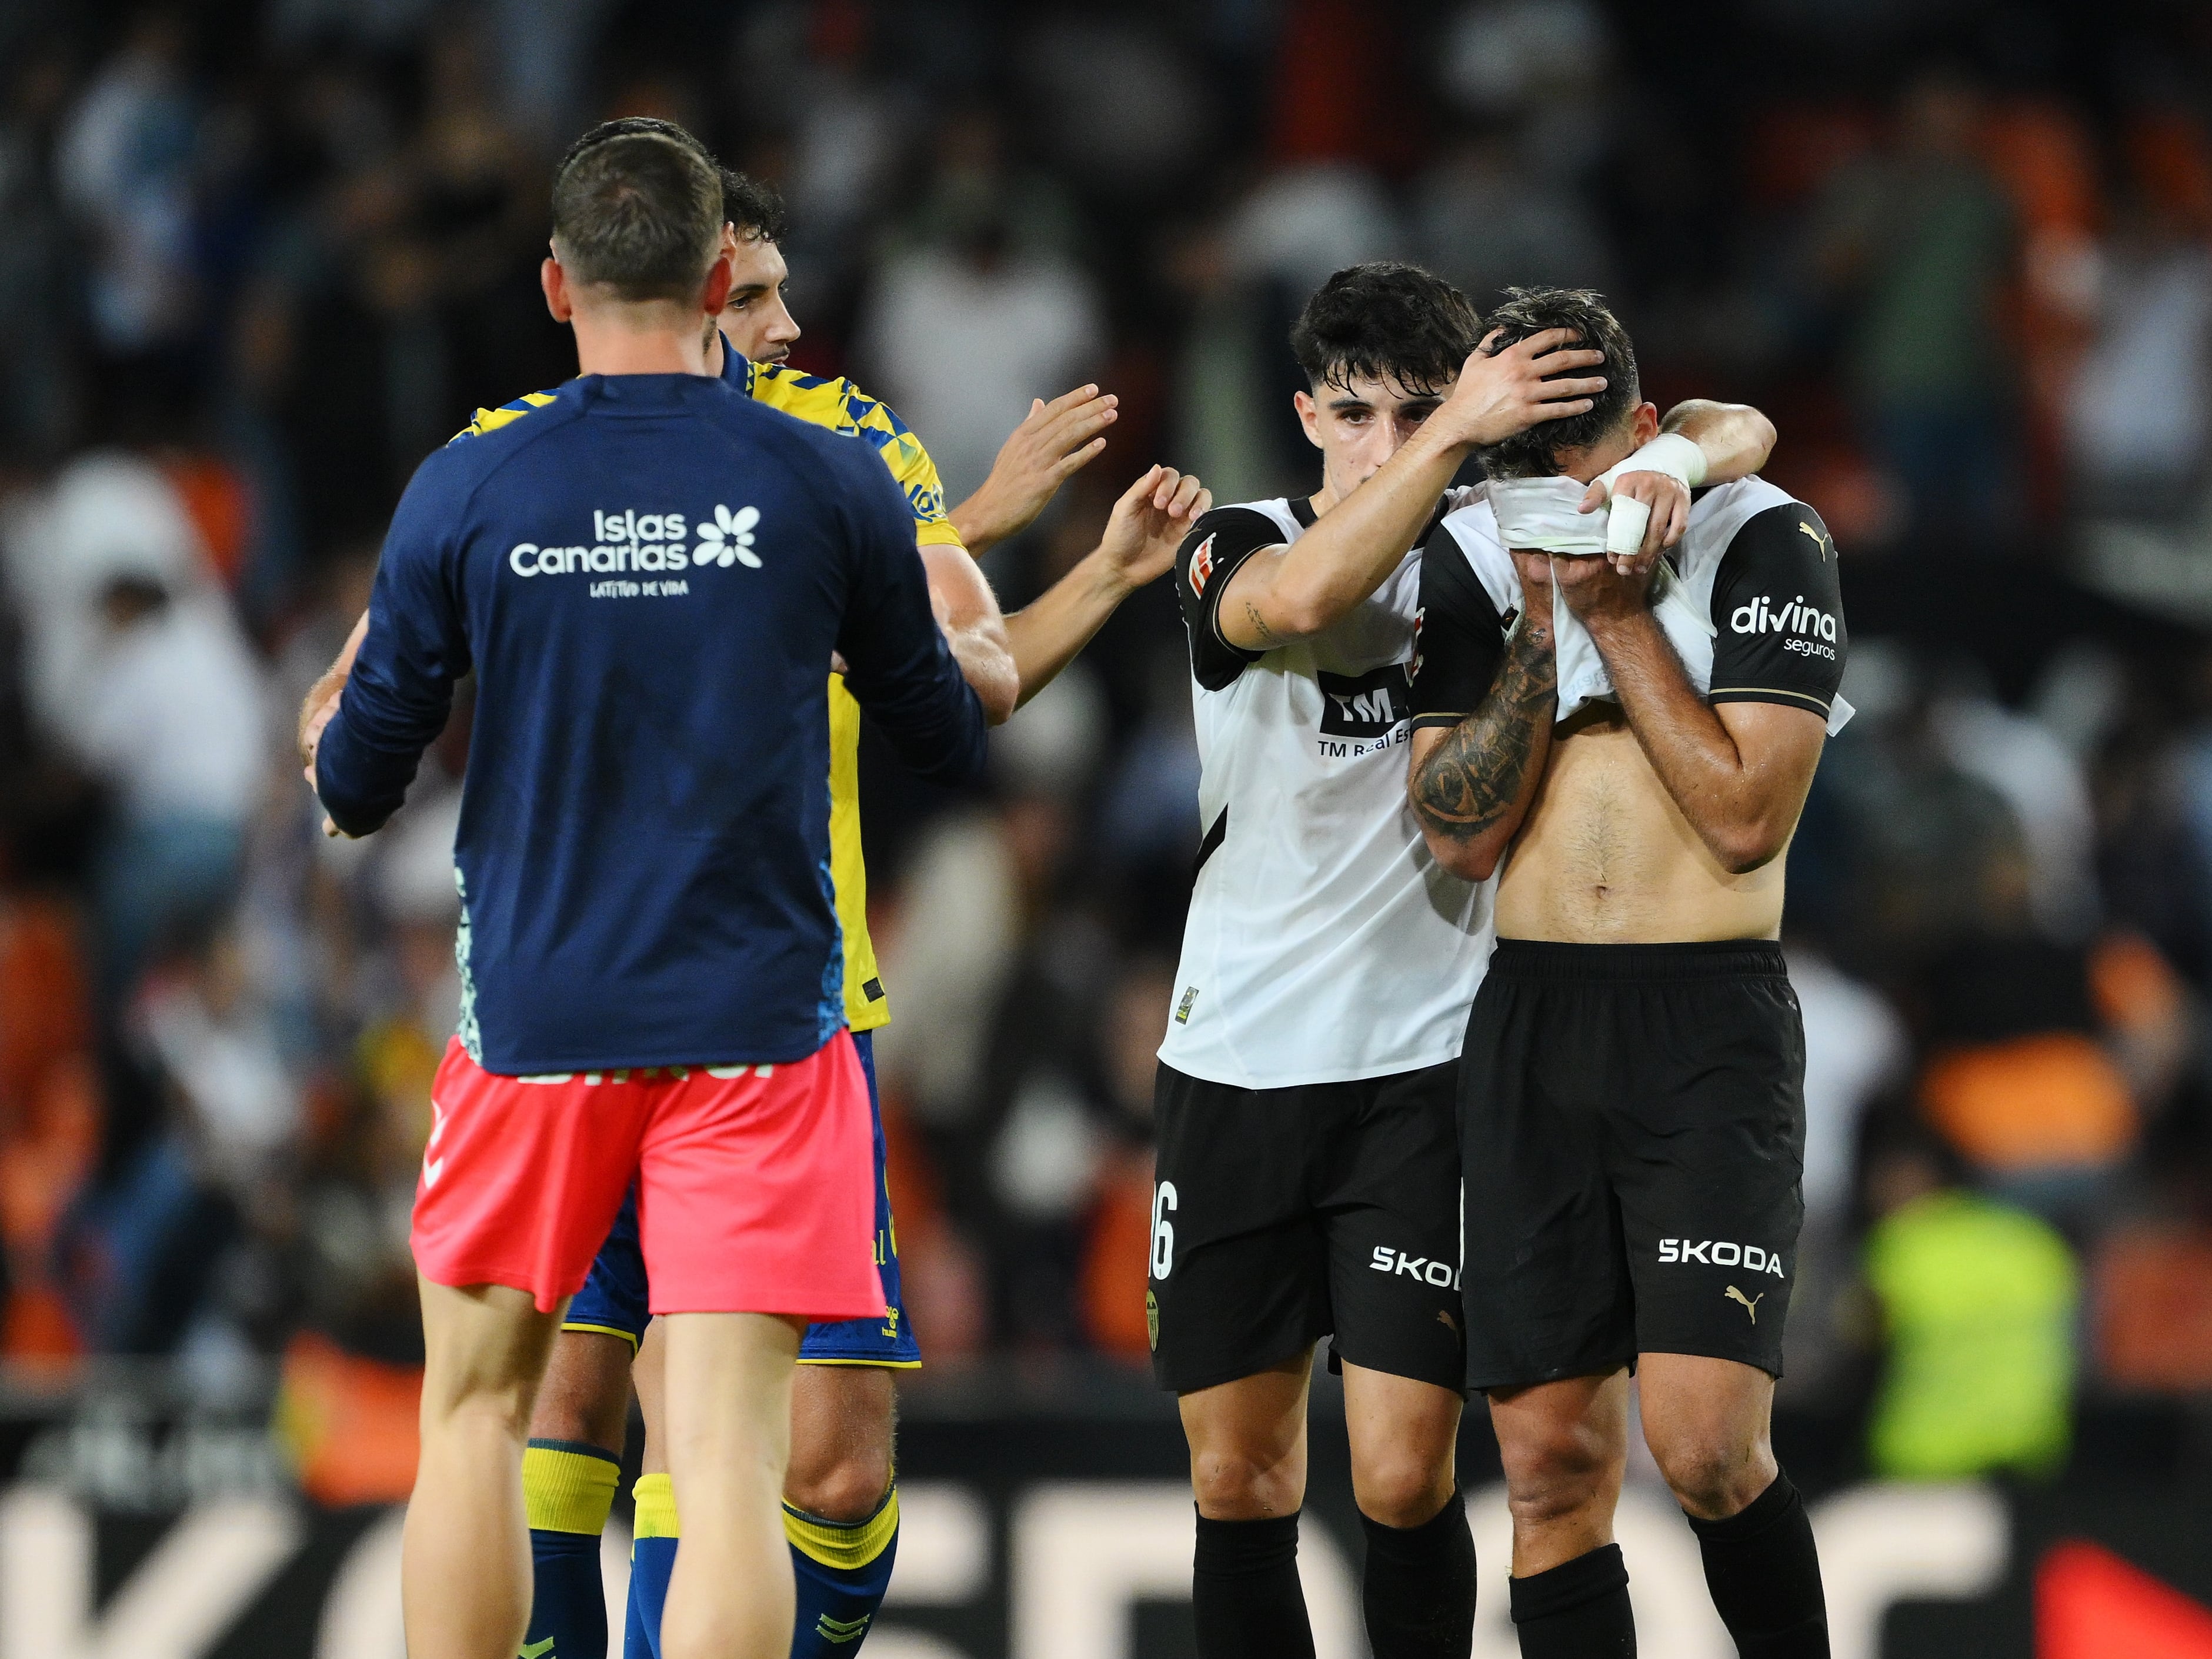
(639, 212)
(1386, 321)
(1538, 452)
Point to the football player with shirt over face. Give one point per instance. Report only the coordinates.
(1632, 1107)
(842, 1509)
(1308, 1179)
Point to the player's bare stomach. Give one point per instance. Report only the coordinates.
(1605, 857)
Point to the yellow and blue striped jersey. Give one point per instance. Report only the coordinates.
(842, 407)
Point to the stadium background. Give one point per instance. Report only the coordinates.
(256, 260)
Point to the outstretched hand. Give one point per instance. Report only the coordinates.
(1054, 442)
(1149, 523)
(1497, 396)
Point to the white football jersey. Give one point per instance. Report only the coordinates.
(1324, 943)
(1724, 598)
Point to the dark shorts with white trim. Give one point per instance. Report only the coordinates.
(1281, 1216)
(1631, 1122)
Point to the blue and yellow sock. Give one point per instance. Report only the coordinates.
(652, 1560)
(568, 1488)
(842, 1573)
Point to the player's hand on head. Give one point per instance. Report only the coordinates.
(1664, 497)
(1055, 441)
(1149, 522)
(1530, 380)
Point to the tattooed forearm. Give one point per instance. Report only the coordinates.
(1260, 625)
(1471, 779)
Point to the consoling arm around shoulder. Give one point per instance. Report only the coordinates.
(1735, 438)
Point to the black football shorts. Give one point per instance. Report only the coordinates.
(1281, 1216)
(1633, 1127)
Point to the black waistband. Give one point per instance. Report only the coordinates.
(1720, 959)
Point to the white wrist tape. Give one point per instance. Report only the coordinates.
(1546, 514)
(1669, 452)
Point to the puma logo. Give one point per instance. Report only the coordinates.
(1750, 1302)
(1818, 540)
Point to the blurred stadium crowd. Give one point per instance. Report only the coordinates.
(259, 259)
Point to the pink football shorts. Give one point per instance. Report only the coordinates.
(756, 1183)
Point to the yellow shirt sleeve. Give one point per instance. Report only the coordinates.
(843, 407)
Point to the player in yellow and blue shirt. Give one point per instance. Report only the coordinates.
(841, 1512)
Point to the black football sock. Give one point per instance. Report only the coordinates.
(1245, 1597)
(1576, 1610)
(1419, 1591)
(1764, 1576)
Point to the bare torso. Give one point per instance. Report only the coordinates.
(1605, 857)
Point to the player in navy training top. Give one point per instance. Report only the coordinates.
(646, 578)
(647, 575)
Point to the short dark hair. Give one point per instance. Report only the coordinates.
(752, 207)
(640, 212)
(1537, 453)
(1387, 321)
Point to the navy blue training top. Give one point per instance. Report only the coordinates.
(648, 574)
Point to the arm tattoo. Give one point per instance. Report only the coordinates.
(1260, 625)
(1471, 779)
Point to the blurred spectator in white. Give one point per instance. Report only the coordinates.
(1856, 1049)
(141, 669)
(1301, 224)
(106, 513)
(961, 338)
(218, 1046)
(171, 717)
(1921, 241)
(2041, 779)
(125, 169)
(2141, 409)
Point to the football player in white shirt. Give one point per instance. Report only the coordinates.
(1308, 1173)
